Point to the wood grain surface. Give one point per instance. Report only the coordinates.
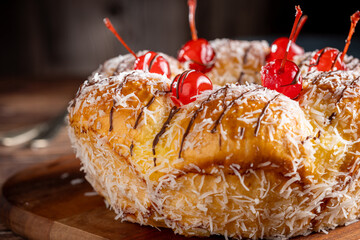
(52, 200)
(25, 101)
(41, 200)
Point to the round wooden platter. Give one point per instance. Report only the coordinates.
(52, 200)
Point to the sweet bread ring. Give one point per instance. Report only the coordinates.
(235, 174)
(237, 61)
(331, 102)
(241, 161)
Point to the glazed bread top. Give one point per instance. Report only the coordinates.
(331, 102)
(234, 126)
(237, 128)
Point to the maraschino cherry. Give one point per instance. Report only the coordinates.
(187, 85)
(278, 47)
(329, 59)
(150, 61)
(283, 75)
(197, 52)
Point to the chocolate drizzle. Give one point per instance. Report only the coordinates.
(111, 116)
(113, 106)
(157, 93)
(241, 133)
(245, 57)
(240, 77)
(335, 60)
(321, 54)
(131, 148)
(263, 112)
(123, 82)
(343, 91)
(297, 96)
(116, 70)
(333, 115)
(318, 135)
(321, 75)
(306, 139)
(294, 81)
(318, 59)
(142, 111)
(228, 107)
(303, 62)
(193, 117)
(224, 105)
(172, 113)
(152, 61)
(180, 81)
(86, 84)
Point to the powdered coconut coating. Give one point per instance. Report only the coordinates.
(121, 63)
(240, 161)
(331, 102)
(238, 61)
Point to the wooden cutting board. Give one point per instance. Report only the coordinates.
(53, 201)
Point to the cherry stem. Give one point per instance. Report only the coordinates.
(112, 29)
(297, 19)
(192, 8)
(300, 26)
(354, 20)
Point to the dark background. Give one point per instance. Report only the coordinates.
(68, 37)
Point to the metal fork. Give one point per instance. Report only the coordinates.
(37, 136)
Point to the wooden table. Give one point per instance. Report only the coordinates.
(27, 101)
(24, 102)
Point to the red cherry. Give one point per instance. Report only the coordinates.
(279, 46)
(198, 53)
(151, 61)
(287, 81)
(186, 86)
(278, 49)
(327, 59)
(283, 75)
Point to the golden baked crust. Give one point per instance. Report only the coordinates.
(331, 102)
(242, 161)
(103, 119)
